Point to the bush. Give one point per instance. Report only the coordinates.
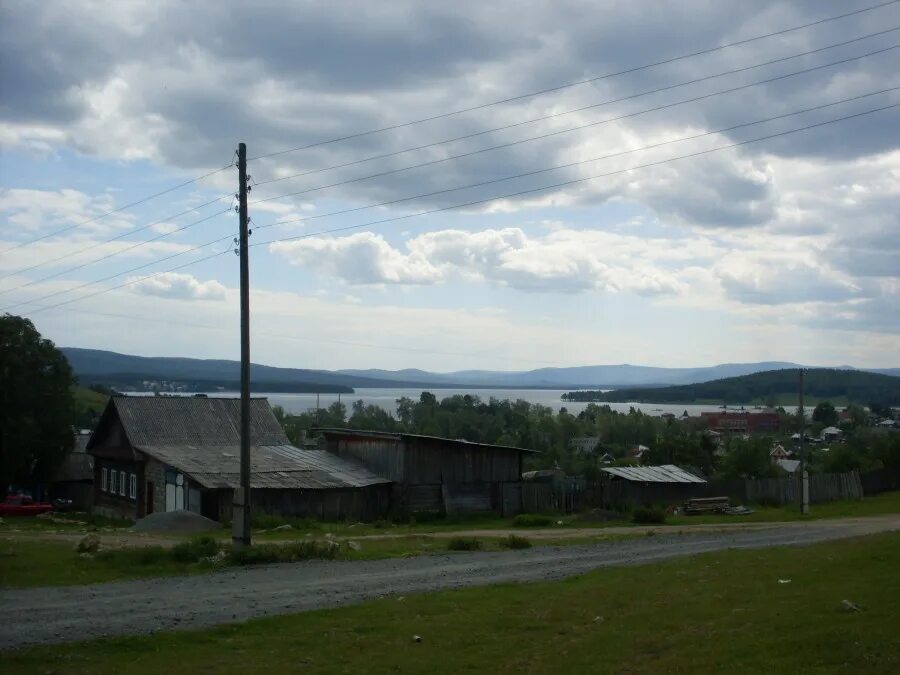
(648, 516)
(463, 544)
(515, 542)
(195, 549)
(532, 520)
(263, 554)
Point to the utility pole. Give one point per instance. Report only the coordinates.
(240, 534)
(804, 477)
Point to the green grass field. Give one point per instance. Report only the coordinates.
(722, 612)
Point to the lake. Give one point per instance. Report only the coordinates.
(386, 398)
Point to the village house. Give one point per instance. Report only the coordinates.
(830, 434)
(778, 452)
(584, 445)
(157, 453)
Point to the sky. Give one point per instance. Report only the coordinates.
(446, 186)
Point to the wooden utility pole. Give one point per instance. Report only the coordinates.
(241, 514)
(804, 478)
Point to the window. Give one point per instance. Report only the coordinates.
(132, 487)
(104, 479)
(122, 478)
(113, 479)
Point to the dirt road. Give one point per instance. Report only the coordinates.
(144, 606)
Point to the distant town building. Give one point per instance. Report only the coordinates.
(742, 422)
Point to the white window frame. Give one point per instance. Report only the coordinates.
(104, 479)
(132, 486)
(122, 486)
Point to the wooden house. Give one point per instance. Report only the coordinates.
(183, 453)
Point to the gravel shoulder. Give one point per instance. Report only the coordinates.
(55, 615)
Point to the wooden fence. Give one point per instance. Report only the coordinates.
(528, 497)
(822, 488)
(882, 480)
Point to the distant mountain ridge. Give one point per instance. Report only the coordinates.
(94, 366)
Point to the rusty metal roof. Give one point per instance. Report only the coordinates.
(271, 466)
(457, 442)
(667, 473)
(188, 420)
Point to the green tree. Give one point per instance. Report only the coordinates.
(825, 414)
(38, 405)
(748, 459)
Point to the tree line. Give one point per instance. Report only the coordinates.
(537, 427)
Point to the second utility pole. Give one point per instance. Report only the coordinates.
(804, 475)
(240, 534)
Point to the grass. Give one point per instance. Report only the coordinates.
(884, 503)
(42, 563)
(27, 564)
(62, 522)
(721, 612)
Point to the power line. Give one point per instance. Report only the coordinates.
(129, 271)
(94, 245)
(576, 110)
(114, 253)
(122, 208)
(583, 161)
(548, 90)
(577, 180)
(442, 209)
(656, 108)
(571, 129)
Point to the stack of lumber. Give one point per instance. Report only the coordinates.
(700, 505)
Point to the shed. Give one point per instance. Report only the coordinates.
(632, 485)
(183, 453)
(433, 474)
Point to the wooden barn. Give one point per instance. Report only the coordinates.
(183, 453)
(431, 474)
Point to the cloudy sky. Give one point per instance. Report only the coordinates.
(740, 204)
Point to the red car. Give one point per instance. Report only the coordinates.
(22, 505)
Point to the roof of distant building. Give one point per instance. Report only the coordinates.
(458, 442)
(667, 473)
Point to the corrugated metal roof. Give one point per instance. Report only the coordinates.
(667, 473)
(188, 420)
(272, 466)
(459, 442)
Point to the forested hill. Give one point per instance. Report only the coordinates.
(777, 387)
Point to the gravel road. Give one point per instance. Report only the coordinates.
(53, 615)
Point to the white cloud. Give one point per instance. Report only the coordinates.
(361, 258)
(564, 261)
(38, 212)
(180, 286)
